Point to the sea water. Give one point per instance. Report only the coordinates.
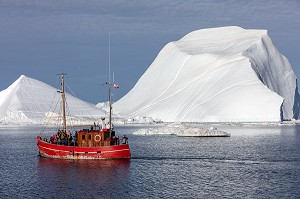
(255, 162)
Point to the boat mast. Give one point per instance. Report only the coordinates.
(63, 102)
(110, 109)
(109, 88)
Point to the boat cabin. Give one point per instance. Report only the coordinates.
(95, 137)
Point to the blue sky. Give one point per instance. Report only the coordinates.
(41, 38)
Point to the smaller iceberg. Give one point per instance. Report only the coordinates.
(182, 130)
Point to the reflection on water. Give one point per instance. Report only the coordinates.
(87, 178)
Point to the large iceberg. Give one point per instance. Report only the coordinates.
(30, 101)
(226, 74)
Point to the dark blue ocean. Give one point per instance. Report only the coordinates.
(255, 162)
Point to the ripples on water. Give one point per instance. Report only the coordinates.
(255, 162)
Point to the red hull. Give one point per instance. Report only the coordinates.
(46, 149)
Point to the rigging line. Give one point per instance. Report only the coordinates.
(50, 108)
(70, 89)
(66, 102)
(47, 122)
(89, 113)
(73, 118)
(105, 106)
(69, 114)
(59, 124)
(58, 119)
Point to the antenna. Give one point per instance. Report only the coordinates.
(113, 80)
(109, 76)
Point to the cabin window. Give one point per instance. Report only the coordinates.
(83, 137)
(90, 137)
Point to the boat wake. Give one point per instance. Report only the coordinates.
(204, 159)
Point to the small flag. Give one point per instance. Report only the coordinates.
(116, 86)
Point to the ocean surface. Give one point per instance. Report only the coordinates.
(255, 162)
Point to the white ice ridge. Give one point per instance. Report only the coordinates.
(182, 130)
(31, 101)
(226, 74)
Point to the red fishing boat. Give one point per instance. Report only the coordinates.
(95, 142)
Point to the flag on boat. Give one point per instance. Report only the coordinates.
(116, 86)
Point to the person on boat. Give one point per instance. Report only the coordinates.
(53, 139)
(62, 137)
(117, 140)
(69, 138)
(68, 134)
(59, 136)
(75, 137)
(124, 139)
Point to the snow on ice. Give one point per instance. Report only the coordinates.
(182, 130)
(30, 101)
(226, 74)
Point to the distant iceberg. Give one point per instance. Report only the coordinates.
(226, 74)
(30, 101)
(182, 130)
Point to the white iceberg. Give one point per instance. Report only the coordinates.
(226, 74)
(140, 120)
(30, 101)
(182, 130)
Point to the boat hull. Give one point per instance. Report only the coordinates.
(49, 150)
